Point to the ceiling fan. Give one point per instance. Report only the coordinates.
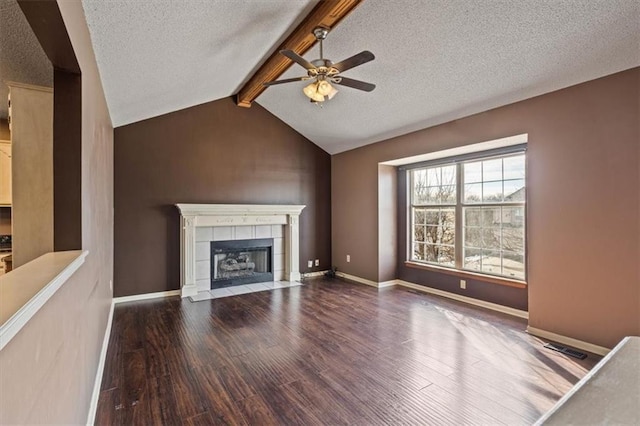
(323, 72)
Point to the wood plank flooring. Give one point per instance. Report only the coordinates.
(328, 352)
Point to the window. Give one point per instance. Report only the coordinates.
(469, 214)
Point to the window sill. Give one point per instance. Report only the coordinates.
(26, 289)
(468, 275)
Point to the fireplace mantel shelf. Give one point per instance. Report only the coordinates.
(238, 209)
(209, 215)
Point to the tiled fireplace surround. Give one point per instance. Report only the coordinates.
(206, 234)
(203, 223)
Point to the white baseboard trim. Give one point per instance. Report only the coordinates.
(476, 302)
(145, 296)
(357, 279)
(389, 283)
(365, 281)
(569, 341)
(95, 395)
(314, 274)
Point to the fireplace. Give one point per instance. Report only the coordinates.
(237, 262)
(202, 223)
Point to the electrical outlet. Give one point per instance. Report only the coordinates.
(463, 284)
(348, 258)
(111, 285)
(310, 264)
(317, 262)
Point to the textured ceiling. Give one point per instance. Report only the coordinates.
(164, 55)
(435, 60)
(22, 59)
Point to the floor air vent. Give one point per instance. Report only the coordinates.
(566, 351)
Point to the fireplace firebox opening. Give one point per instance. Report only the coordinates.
(238, 262)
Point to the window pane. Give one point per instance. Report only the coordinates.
(472, 216)
(491, 238)
(513, 239)
(419, 181)
(513, 217)
(472, 259)
(418, 233)
(514, 190)
(418, 251)
(418, 216)
(446, 256)
(432, 216)
(448, 194)
(513, 265)
(433, 176)
(448, 215)
(473, 193)
(431, 253)
(491, 262)
(435, 185)
(449, 175)
(492, 170)
(514, 167)
(491, 217)
(431, 234)
(472, 172)
(492, 192)
(432, 195)
(473, 237)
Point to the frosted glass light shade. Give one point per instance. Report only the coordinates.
(324, 88)
(311, 91)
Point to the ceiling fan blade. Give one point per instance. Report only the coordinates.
(297, 58)
(359, 59)
(356, 84)
(286, 80)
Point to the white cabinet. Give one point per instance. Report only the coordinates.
(31, 171)
(5, 173)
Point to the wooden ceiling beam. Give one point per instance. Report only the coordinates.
(327, 13)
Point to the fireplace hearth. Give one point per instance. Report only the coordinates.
(238, 262)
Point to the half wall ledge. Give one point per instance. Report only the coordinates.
(212, 215)
(27, 288)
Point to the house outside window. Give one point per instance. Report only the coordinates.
(469, 214)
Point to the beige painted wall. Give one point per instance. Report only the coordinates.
(48, 369)
(387, 231)
(31, 172)
(583, 200)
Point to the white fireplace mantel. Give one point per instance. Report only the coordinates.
(195, 215)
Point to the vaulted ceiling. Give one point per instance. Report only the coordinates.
(436, 61)
(22, 60)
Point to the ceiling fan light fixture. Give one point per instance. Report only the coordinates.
(332, 92)
(311, 91)
(324, 88)
(323, 72)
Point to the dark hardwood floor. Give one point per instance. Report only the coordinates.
(328, 352)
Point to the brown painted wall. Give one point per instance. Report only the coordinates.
(583, 195)
(49, 368)
(5, 212)
(5, 134)
(211, 153)
(5, 220)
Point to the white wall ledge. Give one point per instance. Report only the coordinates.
(608, 394)
(26, 289)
